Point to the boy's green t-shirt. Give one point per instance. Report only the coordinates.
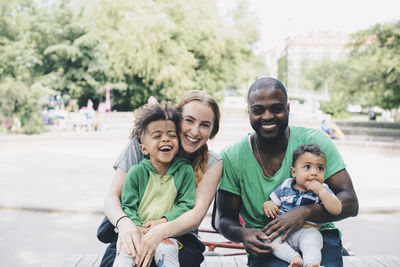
(243, 176)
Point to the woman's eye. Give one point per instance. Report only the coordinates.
(172, 135)
(156, 136)
(189, 120)
(207, 125)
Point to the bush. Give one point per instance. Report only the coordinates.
(19, 108)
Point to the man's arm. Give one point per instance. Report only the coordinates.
(228, 205)
(341, 184)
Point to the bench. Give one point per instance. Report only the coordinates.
(91, 260)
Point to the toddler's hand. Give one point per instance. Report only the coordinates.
(271, 210)
(314, 186)
(150, 224)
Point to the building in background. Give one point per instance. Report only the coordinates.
(303, 51)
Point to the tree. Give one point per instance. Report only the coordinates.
(184, 45)
(377, 53)
(369, 76)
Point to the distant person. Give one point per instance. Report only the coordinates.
(371, 114)
(161, 187)
(257, 164)
(306, 187)
(328, 130)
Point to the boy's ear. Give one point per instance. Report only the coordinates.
(143, 149)
(293, 171)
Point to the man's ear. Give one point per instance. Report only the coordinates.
(293, 171)
(288, 107)
(143, 149)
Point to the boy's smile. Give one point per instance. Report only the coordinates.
(160, 143)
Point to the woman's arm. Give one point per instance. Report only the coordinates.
(128, 236)
(188, 221)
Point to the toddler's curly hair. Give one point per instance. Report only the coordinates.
(310, 148)
(148, 113)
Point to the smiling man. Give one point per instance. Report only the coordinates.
(260, 162)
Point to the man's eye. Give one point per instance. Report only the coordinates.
(277, 108)
(257, 111)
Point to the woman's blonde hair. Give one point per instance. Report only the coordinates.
(199, 159)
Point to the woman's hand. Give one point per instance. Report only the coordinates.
(129, 237)
(149, 244)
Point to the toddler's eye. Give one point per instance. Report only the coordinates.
(320, 169)
(307, 167)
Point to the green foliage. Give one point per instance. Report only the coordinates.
(18, 106)
(282, 70)
(139, 48)
(377, 52)
(185, 45)
(369, 76)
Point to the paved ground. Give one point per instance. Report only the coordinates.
(70, 172)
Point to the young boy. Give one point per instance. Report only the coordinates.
(161, 187)
(306, 187)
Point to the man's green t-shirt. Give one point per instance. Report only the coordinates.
(243, 176)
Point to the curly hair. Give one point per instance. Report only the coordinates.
(199, 159)
(310, 148)
(149, 113)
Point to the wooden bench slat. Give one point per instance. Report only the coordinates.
(389, 260)
(240, 261)
(373, 261)
(212, 261)
(227, 262)
(88, 260)
(91, 260)
(72, 260)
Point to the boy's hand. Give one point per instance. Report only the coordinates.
(271, 210)
(150, 224)
(315, 186)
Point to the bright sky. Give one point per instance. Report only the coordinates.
(281, 18)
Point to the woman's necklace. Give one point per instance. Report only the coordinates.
(259, 156)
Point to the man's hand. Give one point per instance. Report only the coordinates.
(286, 223)
(271, 210)
(254, 241)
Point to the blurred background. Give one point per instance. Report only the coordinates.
(72, 72)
